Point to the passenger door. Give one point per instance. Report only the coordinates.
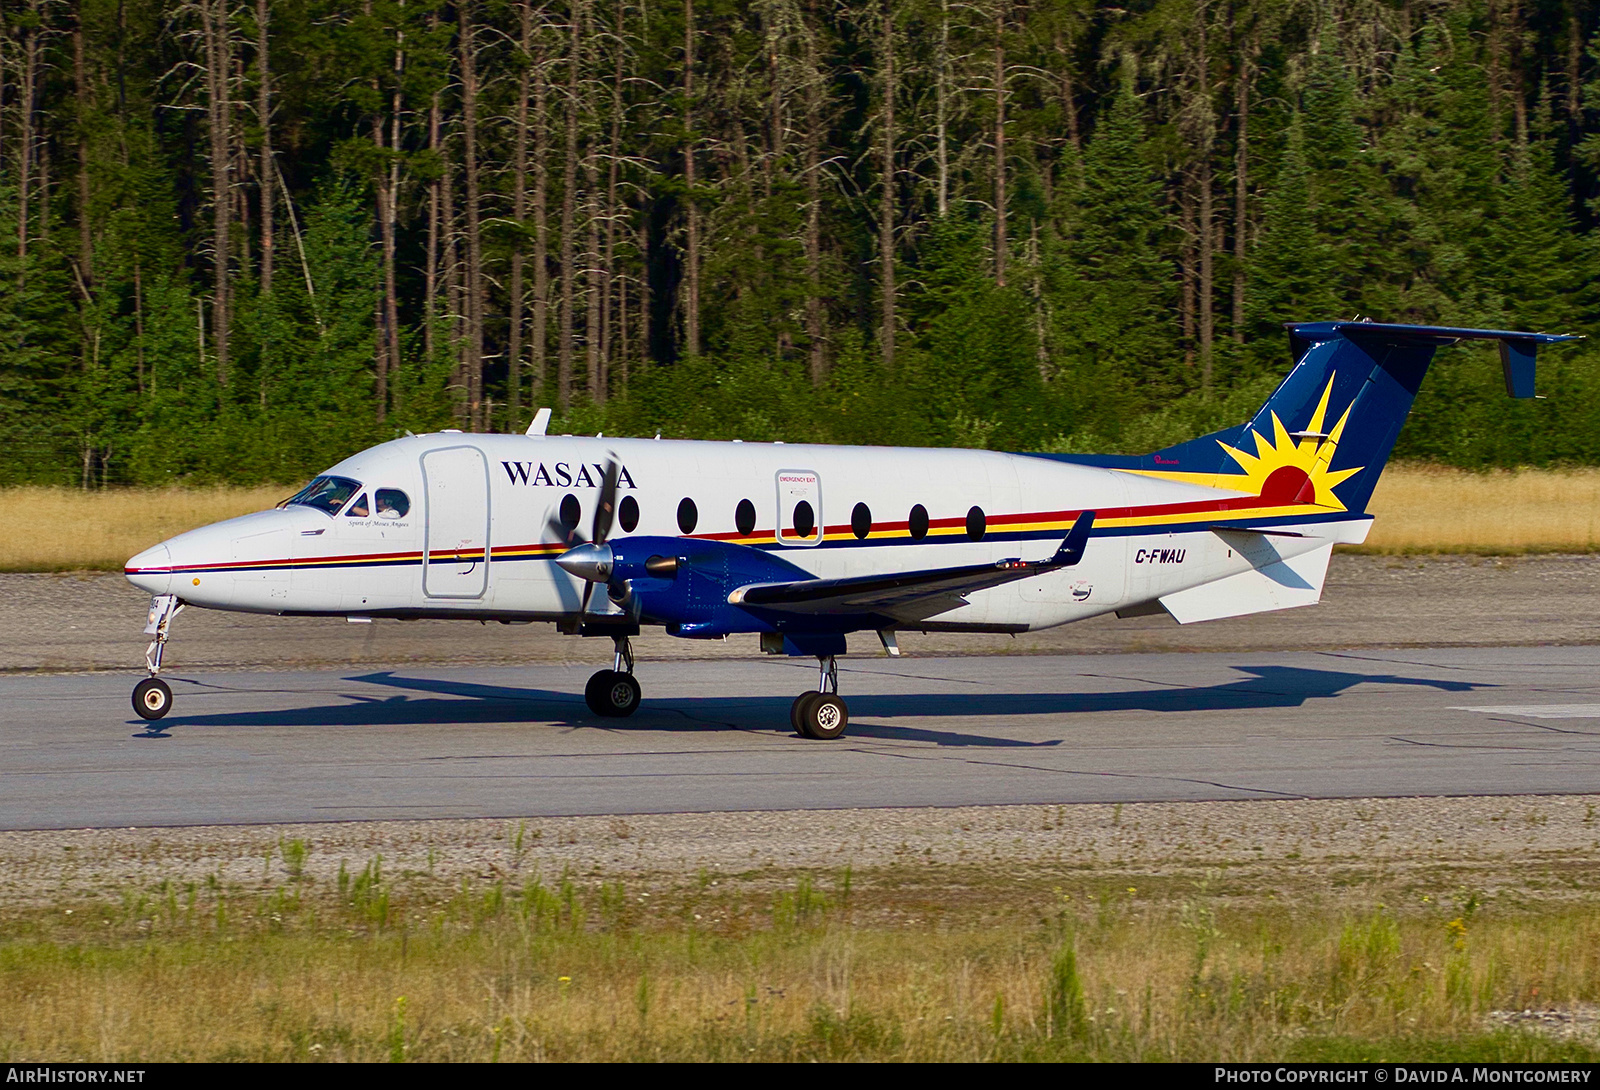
(455, 558)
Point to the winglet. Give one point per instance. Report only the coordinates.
(1077, 539)
(541, 421)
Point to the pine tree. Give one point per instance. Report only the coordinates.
(1114, 295)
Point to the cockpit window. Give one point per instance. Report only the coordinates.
(326, 494)
(392, 503)
(358, 510)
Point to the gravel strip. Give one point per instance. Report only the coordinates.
(1161, 838)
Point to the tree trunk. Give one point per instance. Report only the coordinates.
(941, 109)
(80, 77)
(594, 368)
(450, 260)
(138, 322)
(816, 316)
(1241, 191)
(473, 361)
(569, 214)
(691, 269)
(27, 140)
(541, 233)
(774, 150)
(611, 282)
(266, 167)
(1069, 93)
(388, 187)
(430, 275)
(1496, 67)
(1186, 225)
(1207, 226)
(519, 213)
(1000, 241)
(887, 186)
(219, 48)
(1574, 71)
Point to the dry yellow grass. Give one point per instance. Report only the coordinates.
(1419, 509)
(64, 529)
(1425, 509)
(902, 963)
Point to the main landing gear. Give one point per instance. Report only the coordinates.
(820, 713)
(614, 693)
(152, 697)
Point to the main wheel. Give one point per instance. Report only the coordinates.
(612, 694)
(800, 711)
(152, 698)
(825, 717)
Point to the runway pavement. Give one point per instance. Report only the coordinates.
(439, 741)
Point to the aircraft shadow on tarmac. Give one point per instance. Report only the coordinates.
(473, 703)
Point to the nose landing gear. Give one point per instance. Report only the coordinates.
(152, 697)
(614, 693)
(821, 714)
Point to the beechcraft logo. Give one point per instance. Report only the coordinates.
(564, 474)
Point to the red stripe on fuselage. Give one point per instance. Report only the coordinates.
(1191, 507)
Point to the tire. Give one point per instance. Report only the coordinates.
(621, 696)
(800, 712)
(611, 694)
(823, 717)
(593, 692)
(828, 717)
(152, 698)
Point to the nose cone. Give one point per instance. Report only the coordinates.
(588, 561)
(151, 570)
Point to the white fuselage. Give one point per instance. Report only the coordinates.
(477, 541)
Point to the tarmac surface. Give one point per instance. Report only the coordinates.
(245, 747)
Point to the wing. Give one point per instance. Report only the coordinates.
(907, 595)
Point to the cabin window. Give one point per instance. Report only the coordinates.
(571, 511)
(861, 521)
(744, 517)
(805, 519)
(326, 494)
(359, 509)
(688, 515)
(392, 503)
(918, 522)
(977, 523)
(628, 514)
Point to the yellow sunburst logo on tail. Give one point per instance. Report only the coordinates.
(1286, 470)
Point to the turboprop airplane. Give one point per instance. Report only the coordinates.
(801, 545)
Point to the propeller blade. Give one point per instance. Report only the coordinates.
(605, 510)
(557, 530)
(583, 606)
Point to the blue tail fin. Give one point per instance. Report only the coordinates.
(1326, 432)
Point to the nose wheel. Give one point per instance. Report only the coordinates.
(614, 693)
(821, 714)
(152, 697)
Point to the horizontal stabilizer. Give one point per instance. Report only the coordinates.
(1280, 584)
(1518, 350)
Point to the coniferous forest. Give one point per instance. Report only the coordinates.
(240, 239)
